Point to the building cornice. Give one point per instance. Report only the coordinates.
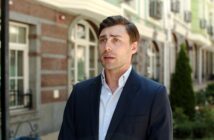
(88, 8)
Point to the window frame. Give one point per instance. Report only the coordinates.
(152, 62)
(23, 47)
(74, 42)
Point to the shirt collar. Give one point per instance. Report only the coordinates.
(122, 80)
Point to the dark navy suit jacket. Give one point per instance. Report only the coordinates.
(143, 112)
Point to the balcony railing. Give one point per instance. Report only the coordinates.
(18, 100)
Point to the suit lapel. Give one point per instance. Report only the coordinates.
(127, 96)
(95, 91)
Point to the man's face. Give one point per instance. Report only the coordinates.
(115, 49)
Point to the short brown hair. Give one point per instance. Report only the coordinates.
(119, 20)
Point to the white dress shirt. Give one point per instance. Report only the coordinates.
(108, 102)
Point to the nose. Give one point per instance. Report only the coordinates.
(107, 46)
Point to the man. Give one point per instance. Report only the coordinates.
(118, 104)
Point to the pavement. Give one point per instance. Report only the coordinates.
(50, 136)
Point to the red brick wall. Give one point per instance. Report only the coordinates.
(52, 80)
(53, 47)
(54, 64)
(47, 96)
(53, 69)
(54, 31)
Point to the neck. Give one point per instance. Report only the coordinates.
(112, 78)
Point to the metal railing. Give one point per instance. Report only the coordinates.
(19, 99)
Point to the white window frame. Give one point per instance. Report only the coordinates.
(158, 23)
(152, 63)
(132, 8)
(83, 42)
(24, 47)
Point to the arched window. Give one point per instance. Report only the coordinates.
(152, 62)
(82, 52)
(173, 53)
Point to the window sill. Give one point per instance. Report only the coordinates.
(20, 112)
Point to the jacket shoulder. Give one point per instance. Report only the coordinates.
(88, 83)
(151, 86)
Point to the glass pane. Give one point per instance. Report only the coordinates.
(12, 85)
(20, 63)
(20, 92)
(81, 31)
(73, 34)
(91, 36)
(12, 63)
(92, 56)
(148, 66)
(72, 56)
(20, 85)
(72, 76)
(81, 63)
(22, 35)
(13, 33)
(13, 92)
(12, 98)
(92, 73)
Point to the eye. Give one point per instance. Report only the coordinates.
(102, 40)
(115, 40)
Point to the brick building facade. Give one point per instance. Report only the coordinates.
(53, 47)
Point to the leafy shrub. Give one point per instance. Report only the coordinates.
(203, 123)
(199, 129)
(200, 98)
(182, 124)
(183, 130)
(202, 126)
(210, 93)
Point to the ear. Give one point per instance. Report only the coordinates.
(134, 47)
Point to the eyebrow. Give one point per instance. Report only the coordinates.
(103, 36)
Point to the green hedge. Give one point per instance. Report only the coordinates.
(210, 93)
(201, 127)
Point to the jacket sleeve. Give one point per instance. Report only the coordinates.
(67, 131)
(160, 127)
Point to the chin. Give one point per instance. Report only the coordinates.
(108, 67)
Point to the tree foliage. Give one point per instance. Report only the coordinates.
(181, 89)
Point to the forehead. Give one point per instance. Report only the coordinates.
(114, 30)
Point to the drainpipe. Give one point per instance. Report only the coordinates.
(4, 70)
(167, 45)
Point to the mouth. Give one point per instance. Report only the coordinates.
(108, 58)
